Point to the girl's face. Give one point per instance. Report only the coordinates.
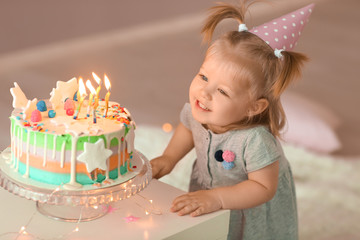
(217, 98)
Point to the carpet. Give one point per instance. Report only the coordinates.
(328, 187)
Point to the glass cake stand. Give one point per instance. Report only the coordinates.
(86, 204)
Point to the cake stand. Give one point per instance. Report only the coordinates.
(86, 204)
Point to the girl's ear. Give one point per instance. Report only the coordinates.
(258, 107)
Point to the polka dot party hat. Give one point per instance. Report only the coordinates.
(284, 32)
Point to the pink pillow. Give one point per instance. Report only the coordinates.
(309, 124)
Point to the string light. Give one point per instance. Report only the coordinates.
(23, 228)
(149, 208)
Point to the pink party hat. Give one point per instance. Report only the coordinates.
(284, 32)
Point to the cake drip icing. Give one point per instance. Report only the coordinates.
(51, 147)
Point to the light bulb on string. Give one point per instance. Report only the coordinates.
(23, 230)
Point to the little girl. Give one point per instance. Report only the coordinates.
(233, 121)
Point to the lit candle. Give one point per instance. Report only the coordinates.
(96, 103)
(108, 87)
(88, 83)
(78, 94)
(82, 91)
(98, 80)
(93, 92)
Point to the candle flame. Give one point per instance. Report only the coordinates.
(107, 83)
(90, 87)
(82, 88)
(97, 79)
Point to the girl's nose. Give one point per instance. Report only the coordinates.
(206, 93)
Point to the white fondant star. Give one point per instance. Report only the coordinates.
(55, 98)
(95, 155)
(30, 107)
(67, 89)
(19, 98)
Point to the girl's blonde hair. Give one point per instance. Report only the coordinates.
(275, 73)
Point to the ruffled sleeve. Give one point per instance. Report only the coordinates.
(185, 115)
(261, 149)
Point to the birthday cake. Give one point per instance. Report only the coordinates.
(70, 140)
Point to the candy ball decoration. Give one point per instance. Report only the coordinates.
(36, 116)
(51, 114)
(69, 104)
(228, 156)
(218, 156)
(70, 111)
(41, 106)
(75, 98)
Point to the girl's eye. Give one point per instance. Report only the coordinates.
(223, 92)
(203, 77)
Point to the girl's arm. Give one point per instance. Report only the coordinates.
(260, 187)
(180, 144)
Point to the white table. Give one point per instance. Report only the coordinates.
(16, 212)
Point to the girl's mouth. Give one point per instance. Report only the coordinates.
(202, 106)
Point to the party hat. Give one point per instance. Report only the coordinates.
(284, 32)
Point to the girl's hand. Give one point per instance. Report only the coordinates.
(196, 203)
(180, 144)
(160, 166)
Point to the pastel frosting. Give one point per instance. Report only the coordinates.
(50, 146)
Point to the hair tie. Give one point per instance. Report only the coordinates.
(277, 52)
(242, 27)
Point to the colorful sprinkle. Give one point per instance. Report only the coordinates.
(123, 120)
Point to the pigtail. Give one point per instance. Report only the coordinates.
(276, 117)
(220, 12)
(290, 65)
